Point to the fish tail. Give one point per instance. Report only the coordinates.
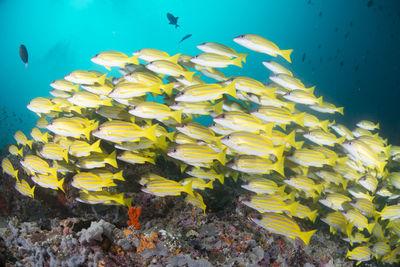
(174, 58)
(86, 132)
(29, 143)
(298, 145)
(290, 106)
(107, 102)
(292, 208)
(45, 137)
(167, 88)
(20, 152)
(306, 236)
(344, 184)
(242, 56)
(221, 178)
(126, 201)
(340, 110)
(77, 109)
(134, 60)
(279, 152)
(290, 138)
(324, 125)
(387, 150)
(286, 54)
(16, 175)
(150, 133)
(188, 189)
(170, 136)
(118, 176)
(370, 227)
(377, 126)
(218, 107)
(76, 87)
(102, 79)
(155, 89)
(237, 62)
(279, 167)
(177, 115)
(33, 191)
(188, 75)
(230, 89)
(65, 155)
(312, 215)
(112, 159)
(222, 157)
(299, 119)
(53, 171)
(381, 166)
(95, 147)
(150, 160)
(210, 184)
(60, 184)
(268, 128)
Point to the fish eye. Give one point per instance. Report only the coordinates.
(223, 116)
(174, 150)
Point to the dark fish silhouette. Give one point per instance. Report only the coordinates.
(346, 35)
(320, 14)
(173, 20)
(184, 38)
(23, 53)
(370, 3)
(341, 63)
(304, 57)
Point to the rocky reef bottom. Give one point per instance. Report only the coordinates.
(55, 230)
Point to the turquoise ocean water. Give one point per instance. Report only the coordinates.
(348, 49)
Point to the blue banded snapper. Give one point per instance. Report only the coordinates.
(103, 197)
(85, 77)
(166, 187)
(283, 225)
(97, 160)
(90, 182)
(110, 59)
(262, 45)
(48, 181)
(21, 139)
(24, 188)
(151, 54)
(197, 201)
(360, 254)
(217, 48)
(64, 85)
(14, 150)
(8, 168)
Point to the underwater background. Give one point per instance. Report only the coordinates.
(348, 49)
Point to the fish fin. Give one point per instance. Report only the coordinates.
(286, 54)
(151, 160)
(150, 133)
(15, 174)
(377, 126)
(53, 171)
(33, 191)
(320, 101)
(170, 136)
(299, 145)
(306, 236)
(290, 106)
(174, 58)
(155, 89)
(310, 90)
(242, 56)
(381, 166)
(230, 89)
(112, 159)
(107, 102)
(127, 202)
(279, 152)
(292, 208)
(107, 67)
(237, 62)
(221, 178)
(65, 155)
(76, 87)
(340, 110)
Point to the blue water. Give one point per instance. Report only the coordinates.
(62, 36)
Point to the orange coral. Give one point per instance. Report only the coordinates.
(134, 214)
(147, 242)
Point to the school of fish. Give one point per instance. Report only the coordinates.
(297, 166)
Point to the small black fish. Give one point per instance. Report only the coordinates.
(370, 3)
(341, 63)
(320, 14)
(173, 20)
(357, 67)
(336, 29)
(346, 35)
(185, 37)
(304, 57)
(320, 45)
(23, 53)
(309, 2)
